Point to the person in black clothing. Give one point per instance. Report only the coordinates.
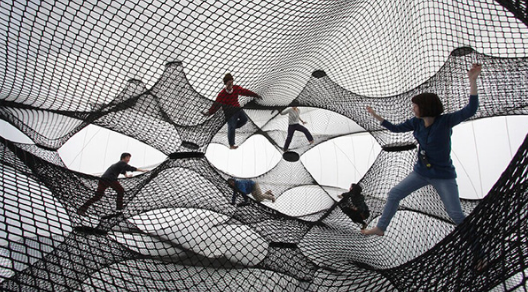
(109, 179)
(355, 206)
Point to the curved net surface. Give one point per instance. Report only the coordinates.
(148, 69)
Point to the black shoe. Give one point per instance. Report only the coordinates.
(243, 204)
(118, 213)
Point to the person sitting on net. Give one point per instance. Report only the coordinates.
(293, 125)
(355, 207)
(109, 179)
(246, 186)
(234, 114)
(434, 167)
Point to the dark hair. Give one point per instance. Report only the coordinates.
(429, 104)
(125, 155)
(356, 189)
(228, 77)
(233, 187)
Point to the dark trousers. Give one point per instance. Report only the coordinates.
(236, 121)
(101, 187)
(292, 129)
(235, 194)
(356, 216)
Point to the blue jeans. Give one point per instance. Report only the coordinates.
(236, 121)
(446, 188)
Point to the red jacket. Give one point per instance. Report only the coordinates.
(230, 99)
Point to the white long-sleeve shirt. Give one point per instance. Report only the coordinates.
(293, 115)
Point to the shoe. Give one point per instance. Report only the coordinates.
(243, 204)
(273, 200)
(233, 147)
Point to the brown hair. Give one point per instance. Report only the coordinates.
(429, 104)
(228, 77)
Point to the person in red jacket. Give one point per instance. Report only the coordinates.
(228, 100)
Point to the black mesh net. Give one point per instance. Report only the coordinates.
(148, 69)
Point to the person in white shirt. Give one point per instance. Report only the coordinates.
(293, 125)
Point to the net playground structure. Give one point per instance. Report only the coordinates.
(147, 69)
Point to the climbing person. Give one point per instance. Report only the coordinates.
(432, 130)
(234, 114)
(109, 180)
(293, 125)
(245, 187)
(355, 206)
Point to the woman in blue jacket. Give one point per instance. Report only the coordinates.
(434, 167)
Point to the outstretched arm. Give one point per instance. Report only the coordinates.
(126, 174)
(374, 114)
(473, 74)
(302, 120)
(247, 92)
(216, 105)
(285, 111)
(212, 109)
(471, 108)
(403, 127)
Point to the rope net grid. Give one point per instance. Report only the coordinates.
(149, 70)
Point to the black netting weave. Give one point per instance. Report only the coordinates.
(148, 69)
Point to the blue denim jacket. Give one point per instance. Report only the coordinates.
(244, 185)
